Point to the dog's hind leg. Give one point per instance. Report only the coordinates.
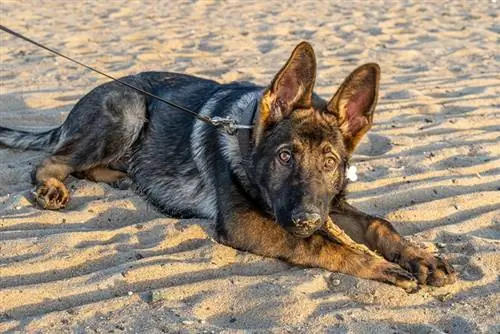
(103, 174)
(98, 132)
(116, 178)
(51, 193)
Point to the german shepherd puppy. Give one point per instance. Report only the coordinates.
(269, 189)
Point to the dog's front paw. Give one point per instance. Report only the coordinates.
(432, 270)
(51, 194)
(427, 268)
(394, 274)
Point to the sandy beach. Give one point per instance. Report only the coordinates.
(110, 263)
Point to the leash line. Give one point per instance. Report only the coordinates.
(229, 124)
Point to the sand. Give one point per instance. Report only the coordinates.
(110, 263)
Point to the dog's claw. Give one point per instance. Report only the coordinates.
(51, 194)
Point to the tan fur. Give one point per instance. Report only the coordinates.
(379, 235)
(50, 192)
(252, 231)
(103, 174)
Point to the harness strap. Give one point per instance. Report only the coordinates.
(245, 133)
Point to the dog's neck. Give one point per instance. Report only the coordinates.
(246, 146)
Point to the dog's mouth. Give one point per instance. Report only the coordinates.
(303, 234)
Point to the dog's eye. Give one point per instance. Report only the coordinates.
(285, 156)
(330, 163)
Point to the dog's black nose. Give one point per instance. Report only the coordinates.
(306, 220)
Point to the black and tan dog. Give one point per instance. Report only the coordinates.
(269, 190)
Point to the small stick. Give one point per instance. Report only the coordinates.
(333, 231)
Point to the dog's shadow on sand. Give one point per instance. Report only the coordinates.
(20, 111)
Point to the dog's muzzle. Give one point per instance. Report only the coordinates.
(305, 223)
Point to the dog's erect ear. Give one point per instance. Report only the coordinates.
(291, 88)
(294, 83)
(354, 103)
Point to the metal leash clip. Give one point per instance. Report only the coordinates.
(229, 124)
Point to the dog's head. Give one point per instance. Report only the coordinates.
(302, 144)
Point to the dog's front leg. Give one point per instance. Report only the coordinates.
(379, 235)
(247, 229)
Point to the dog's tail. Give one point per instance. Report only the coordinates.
(24, 140)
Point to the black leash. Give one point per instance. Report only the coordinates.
(229, 124)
